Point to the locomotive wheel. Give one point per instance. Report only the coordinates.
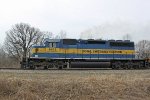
(142, 65)
(124, 66)
(117, 65)
(139, 65)
(45, 67)
(113, 66)
(147, 65)
(129, 65)
(33, 67)
(60, 67)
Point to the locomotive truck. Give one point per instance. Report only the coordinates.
(78, 53)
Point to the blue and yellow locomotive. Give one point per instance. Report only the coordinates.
(61, 53)
(84, 49)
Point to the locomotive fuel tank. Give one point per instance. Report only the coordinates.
(90, 65)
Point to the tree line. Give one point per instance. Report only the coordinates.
(19, 40)
(21, 37)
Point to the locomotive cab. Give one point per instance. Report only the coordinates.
(48, 46)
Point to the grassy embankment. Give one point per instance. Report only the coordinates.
(76, 85)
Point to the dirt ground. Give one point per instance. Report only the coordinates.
(74, 84)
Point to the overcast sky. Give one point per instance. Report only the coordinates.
(76, 16)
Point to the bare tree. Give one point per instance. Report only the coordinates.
(89, 34)
(2, 52)
(5, 60)
(2, 56)
(20, 39)
(49, 35)
(143, 49)
(62, 35)
(127, 37)
(46, 35)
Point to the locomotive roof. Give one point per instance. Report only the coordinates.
(99, 40)
(85, 40)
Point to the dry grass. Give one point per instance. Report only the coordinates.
(75, 85)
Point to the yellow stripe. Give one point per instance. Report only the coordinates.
(81, 51)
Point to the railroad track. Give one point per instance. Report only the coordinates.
(10, 69)
(58, 69)
(71, 69)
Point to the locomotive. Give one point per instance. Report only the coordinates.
(90, 53)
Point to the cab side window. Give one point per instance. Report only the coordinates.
(52, 45)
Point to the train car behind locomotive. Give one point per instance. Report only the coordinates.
(66, 53)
